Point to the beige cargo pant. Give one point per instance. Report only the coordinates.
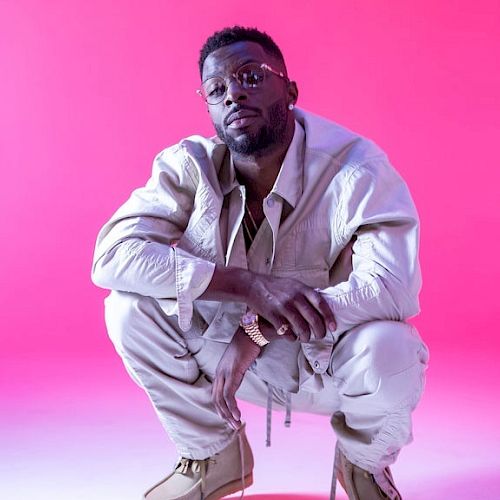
(378, 376)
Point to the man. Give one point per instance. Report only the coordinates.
(276, 263)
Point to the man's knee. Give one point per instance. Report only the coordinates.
(386, 359)
(391, 345)
(124, 313)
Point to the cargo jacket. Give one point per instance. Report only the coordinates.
(336, 187)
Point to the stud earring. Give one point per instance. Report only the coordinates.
(290, 106)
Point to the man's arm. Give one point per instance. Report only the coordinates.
(141, 250)
(377, 213)
(138, 249)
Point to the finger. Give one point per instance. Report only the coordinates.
(296, 321)
(216, 393)
(230, 397)
(223, 395)
(288, 335)
(221, 403)
(319, 302)
(312, 316)
(275, 320)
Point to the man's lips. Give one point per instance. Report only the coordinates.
(242, 122)
(239, 118)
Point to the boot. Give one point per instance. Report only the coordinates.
(224, 473)
(360, 484)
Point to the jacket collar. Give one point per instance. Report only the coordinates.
(288, 184)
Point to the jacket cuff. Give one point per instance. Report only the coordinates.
(192, 277)
(350, 307)
(319, 352)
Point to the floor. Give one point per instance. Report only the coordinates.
(80, 429)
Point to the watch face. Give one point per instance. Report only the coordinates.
(248, 318)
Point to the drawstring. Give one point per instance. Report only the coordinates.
(242, 462)
(336, 465)
(269, 412)
(288, 406)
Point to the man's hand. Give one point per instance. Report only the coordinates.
(290, 302)
(280, 301)
(240, 354)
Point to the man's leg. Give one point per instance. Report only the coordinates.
(378, 369)
(175, 368)
(157, 357)
(375, 380)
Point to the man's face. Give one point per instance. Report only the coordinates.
(250, 121)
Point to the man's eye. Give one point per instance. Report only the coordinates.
(251, 78)
(216, 89)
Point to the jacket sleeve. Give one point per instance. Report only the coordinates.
(138, 250)
(375, 211)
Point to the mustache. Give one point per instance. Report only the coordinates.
(237, 108)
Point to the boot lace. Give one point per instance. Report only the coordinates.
(196, 466)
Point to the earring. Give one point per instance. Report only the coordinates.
(290, 106)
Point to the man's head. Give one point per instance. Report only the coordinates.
(248, 94)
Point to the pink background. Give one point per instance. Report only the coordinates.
(91, 91)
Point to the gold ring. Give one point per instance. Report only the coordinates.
(282, 329)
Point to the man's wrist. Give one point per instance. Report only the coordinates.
(229, 284)
(247, 341)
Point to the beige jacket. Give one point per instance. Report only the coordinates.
(165, 240)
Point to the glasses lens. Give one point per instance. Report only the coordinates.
(213, 90)
(250, 76)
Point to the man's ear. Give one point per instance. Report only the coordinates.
(293, 92)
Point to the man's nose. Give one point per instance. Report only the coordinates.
(235, 92)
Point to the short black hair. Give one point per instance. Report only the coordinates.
(234, 34)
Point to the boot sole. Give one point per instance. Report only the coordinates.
(230, 488)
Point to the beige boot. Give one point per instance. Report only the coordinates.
(222, 474)
(359, 484)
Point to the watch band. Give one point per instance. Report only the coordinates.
(250, 323)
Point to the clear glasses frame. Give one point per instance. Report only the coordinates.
(212, 93)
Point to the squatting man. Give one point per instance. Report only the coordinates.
(276, 262)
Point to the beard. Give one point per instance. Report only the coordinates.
(265, 139)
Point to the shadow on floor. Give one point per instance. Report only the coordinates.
(476, 485)
(290, 496)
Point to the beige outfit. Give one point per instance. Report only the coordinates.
(158, 252)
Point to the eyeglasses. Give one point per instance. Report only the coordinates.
(250, 76)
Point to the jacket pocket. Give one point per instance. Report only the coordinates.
(315, 277)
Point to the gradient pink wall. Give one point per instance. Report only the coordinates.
(91, 91)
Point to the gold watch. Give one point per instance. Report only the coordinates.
(250, 323)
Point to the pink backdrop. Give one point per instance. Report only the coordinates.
(91, 91)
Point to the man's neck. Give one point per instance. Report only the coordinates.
(259, 173)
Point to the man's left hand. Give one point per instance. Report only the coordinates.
(239, 355)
